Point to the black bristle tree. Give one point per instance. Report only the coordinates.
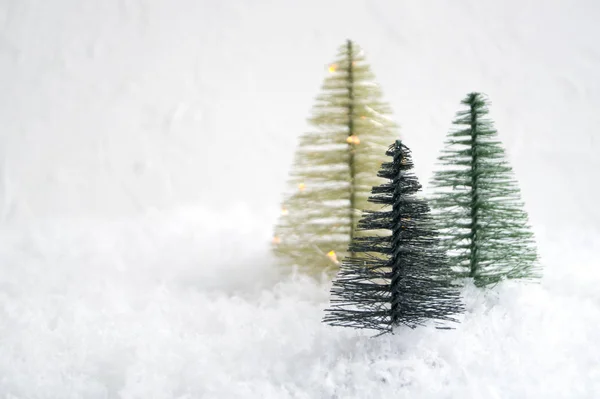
(396, 279)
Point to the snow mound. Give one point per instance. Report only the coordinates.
(190, 305)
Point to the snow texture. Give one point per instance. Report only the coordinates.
(144, 146)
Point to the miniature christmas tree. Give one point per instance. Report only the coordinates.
(400, 278)
(334, 166)
(477, 203)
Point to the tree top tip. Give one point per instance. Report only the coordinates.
(476, 99)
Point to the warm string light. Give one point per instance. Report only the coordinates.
(334, 67)
(284, 211)
(406, 219)
(276, 240)
(301, 186)
(333, 257)
(353, 139)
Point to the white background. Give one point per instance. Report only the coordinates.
(144, 146)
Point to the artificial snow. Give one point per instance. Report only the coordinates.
(189, 305)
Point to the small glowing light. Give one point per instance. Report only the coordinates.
(405, 219)
(276, 240)
(332, 68)
(353, 140)
(284, 211)
(331, 255)
(363, 117)
(301, 186)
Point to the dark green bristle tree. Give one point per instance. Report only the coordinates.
(400, 278)
(476, 202)
(335, 166)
